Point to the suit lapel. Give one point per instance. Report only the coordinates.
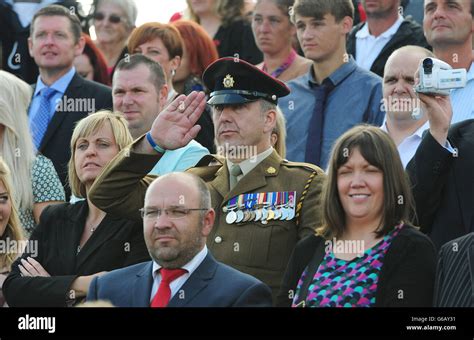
(72, 91)
(198, 280)
(142, 286)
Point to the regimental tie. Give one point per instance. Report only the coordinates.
(163, 295)
(39, 123)
(235, 172)
(316, 124)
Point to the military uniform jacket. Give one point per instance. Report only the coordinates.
(260, 250)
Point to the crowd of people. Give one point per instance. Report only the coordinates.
(244, 154)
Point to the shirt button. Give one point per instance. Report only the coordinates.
(218, 239)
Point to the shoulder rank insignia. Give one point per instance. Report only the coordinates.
(228, 81)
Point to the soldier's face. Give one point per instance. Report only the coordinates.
(360, 187)
(172, 239)
(448, 22)
(242, 125)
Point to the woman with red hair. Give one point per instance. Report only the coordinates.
(91, 63)
(199, 52)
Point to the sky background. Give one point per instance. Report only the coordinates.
(150, 10)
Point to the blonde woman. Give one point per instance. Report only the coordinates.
(10, 229)
(77, 242)
(36, 183)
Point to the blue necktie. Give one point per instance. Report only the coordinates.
(39, 124)
(316, 124)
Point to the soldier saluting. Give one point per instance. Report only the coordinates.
(264, 203)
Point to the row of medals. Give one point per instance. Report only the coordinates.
(263, 215)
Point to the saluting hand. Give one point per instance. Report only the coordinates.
(175, 126)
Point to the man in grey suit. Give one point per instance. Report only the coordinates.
(177, 219)
(455, 274)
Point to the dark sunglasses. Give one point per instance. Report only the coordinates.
(114, 18)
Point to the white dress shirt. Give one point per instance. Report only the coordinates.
(368, 47)
(175, 285)
(407, 148)
(462, 99)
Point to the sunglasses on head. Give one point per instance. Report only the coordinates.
(113, 18)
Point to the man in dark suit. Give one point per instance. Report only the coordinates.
(442, 174)
(455, 274)
(177, 219)
(61, 96)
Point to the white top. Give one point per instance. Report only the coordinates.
(407, 148)
(462, 99)
(175, 285)
(369, 47)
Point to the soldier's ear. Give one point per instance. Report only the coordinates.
(270, 120)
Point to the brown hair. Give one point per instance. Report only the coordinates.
(201, 49)
(97, 60)
(319, 8)
(228, 10)
(168, 34)
(379, 150)
(57, 10)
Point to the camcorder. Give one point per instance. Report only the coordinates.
(438, 78)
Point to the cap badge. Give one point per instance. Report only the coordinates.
(228, 81)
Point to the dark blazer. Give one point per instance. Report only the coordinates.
(212, 284)
(409, 33)
(55, 143)
(115, 243)
(455, 274)
(409, 267)
(443, 184)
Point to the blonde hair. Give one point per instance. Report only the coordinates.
(88, 126)
(280, 131)
(17, 148)
(13, 231)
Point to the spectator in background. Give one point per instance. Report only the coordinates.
(367, 253)
(10, 228)
(335, 94)
(227, 25)
(140, 93)
(372, 42)
(400, 100)
(163, 44)
(199, 52)
(274, 33)
(61, 96)
(91, 63)
(76, 242)
(15, 20)
(36, 183)
(448, 27)
(114, 21)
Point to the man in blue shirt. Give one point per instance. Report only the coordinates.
(335, 94)
(61, 96)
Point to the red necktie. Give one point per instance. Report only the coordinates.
(163, 295)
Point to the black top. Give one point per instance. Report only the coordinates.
(237, 38)
(115, 243)
(406, 278)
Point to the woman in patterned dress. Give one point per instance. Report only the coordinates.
(366, 254)
(36, 183)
